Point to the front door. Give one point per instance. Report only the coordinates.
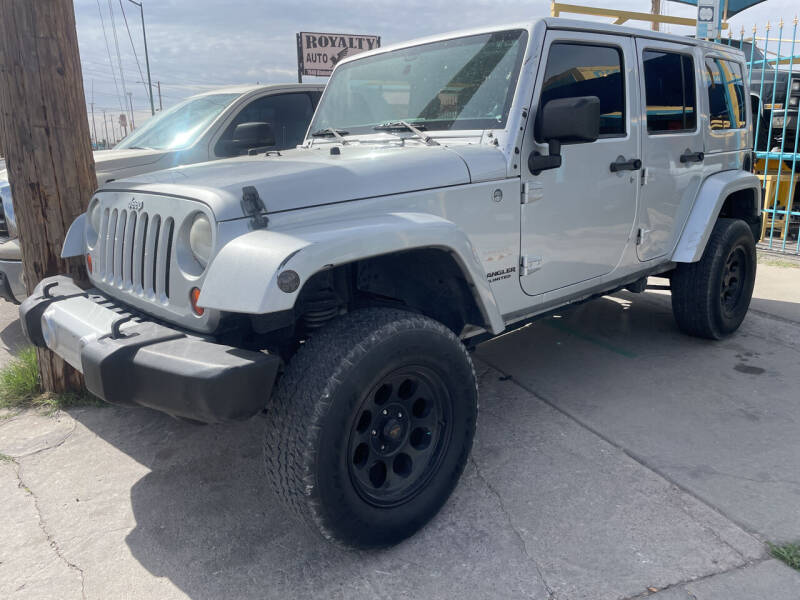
(578, 219)
(287, 113)
(673, 144)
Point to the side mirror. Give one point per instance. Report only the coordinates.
(252, 135)
(566, 120)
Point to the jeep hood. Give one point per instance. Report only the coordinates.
(306, 177)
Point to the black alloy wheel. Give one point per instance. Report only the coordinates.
(399, 436)
(733, 281)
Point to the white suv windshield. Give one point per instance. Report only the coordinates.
(461, 83)
(180, 126)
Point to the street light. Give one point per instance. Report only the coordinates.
(146, 57)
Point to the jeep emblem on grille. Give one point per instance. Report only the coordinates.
(134, 204)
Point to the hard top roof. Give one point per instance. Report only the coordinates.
(556, 23)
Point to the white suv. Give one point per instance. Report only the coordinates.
(448, 190)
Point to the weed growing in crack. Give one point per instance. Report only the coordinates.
(20, 388)
(788, 553)
(19, 380)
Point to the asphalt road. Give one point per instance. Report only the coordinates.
(613, 455)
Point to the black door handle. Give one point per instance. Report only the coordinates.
(621, 164)
(687, 157)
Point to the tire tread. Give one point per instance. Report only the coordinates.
(692, 297)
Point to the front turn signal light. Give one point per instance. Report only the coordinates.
(194, 295)
(89, 263)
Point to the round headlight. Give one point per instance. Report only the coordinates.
(200, 239)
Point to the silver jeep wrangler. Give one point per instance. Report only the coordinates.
(448, 190)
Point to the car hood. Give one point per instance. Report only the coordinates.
(107, 162)
(324, 174)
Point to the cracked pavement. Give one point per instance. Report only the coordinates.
(613, 457)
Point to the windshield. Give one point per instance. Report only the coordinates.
(180, 126)
(462, 83)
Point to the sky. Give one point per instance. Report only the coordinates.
(196, 45)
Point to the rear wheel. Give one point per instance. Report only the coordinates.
(710, 298)
(371, 426)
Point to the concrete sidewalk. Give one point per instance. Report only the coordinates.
(613, 456)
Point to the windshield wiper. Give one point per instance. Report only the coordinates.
(406, 126)
(331, 132)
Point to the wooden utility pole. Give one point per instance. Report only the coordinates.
(655, 9)
(46, 133)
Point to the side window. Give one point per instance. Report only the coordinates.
(735, 78)
(726, 95)
(288, 114)
(586, 70)
(669, 91)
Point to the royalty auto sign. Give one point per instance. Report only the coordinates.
(319, 53)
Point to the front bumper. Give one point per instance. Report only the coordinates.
(127, 359)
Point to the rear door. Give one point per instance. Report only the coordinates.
(672, 141)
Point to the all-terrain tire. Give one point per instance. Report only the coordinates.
(710, 297)
(318, 407)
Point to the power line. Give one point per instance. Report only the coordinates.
(168, 75)
(130, 37)
(108, 50)
(200, 86)
(111, 95)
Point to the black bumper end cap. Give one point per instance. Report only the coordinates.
(33, 307)
(181, 376)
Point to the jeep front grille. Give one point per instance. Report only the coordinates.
(134, 252)
(141, 258)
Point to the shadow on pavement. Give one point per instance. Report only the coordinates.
(547, 489)
(206, 520)
(719, 418)
(788, 311)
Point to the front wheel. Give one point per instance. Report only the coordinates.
(371, 426)
(710, 298)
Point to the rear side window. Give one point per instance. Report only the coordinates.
(669, 91)
(585, 70)
(726, 95)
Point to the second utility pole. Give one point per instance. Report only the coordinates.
(146, 57)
